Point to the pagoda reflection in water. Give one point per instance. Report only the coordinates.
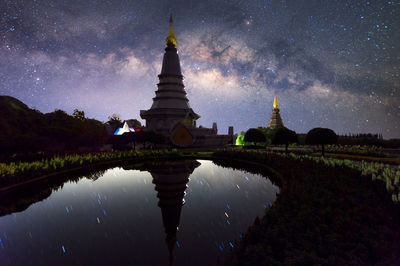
(170, 183)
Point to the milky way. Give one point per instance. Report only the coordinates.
(331, 64)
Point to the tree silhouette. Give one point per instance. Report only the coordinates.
(285, 136)
(255, 136)
(115, 117)
(115, 121)
(321, 136)
(134, 123)
(78, 114)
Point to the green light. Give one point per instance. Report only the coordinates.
(240, 140)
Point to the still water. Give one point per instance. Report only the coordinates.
(183, 212)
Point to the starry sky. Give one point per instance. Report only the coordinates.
(331, 63)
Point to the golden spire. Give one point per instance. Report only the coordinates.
(275, 103)
(170, 41)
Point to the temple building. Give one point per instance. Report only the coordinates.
(275, 120)
(170, 113)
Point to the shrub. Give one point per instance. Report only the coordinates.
(321, 136)
(254, 136)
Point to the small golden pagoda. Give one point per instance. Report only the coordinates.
(275, 120)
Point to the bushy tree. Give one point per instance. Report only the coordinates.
(114, 117)
(78, 114)
(255, 136)
(115, 121)
(264, 130)
(134, 122)
(283, 135)
(321, 136)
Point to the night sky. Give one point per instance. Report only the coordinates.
(331, 63)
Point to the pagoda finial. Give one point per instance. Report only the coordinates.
(170, 41)
(275, 103)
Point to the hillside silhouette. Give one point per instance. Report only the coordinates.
(28, 130)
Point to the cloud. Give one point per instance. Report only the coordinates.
(212, 83)
(207, 47)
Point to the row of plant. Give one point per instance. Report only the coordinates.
(385, 173)
(388, 174)
(294, 148)
(15, 172)
(327, 213)
(363, 150)
(357, 150)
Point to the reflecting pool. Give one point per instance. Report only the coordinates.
(182, 213)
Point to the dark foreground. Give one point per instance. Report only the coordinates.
(322, 216)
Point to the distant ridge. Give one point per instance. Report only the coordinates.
(26, 129)
(16, 118)
(12, 103)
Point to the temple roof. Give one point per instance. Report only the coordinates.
(170, 41)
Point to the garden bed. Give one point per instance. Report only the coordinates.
(329, 212)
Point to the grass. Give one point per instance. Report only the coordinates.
(17, 172)
(368, 158)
